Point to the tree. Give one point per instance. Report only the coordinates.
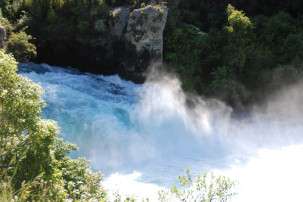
(19, 45)
(183, 49)
(30, 146)
(237, 20)
(25, 137)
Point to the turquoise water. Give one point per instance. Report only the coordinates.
(155, 128)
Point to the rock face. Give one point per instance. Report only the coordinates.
(145, 29)
(126, 44)
(2, 35)
(139, 39)
(118, 21)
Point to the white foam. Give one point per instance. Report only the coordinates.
(274, 175)
(152, 129)
(130, 186)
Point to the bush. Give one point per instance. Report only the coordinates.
(83, 26)
(292, 48)
(238, 33)
(183, 49)
(7, 25)
(206, 187)
(30, 148)
(18, 44)
(11, 9)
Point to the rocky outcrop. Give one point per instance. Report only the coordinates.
(118, 21)
(143, 41)
(145, 29)
(2, 35)
(136, 39)
(126, 44)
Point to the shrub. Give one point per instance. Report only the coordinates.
(30, 148)
(183, 49)
(206, 187)
(83, 26)
(8, 26)
(18, 44)
(11, 8)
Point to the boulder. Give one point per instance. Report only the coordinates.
(2, 35)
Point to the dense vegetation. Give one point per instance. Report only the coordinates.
(215, 48)
(33, 159)
(220, 51)
(63, 26)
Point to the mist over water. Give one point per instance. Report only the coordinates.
(150, 133)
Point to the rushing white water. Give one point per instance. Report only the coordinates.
(143, 136)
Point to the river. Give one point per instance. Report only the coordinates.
(143, 136)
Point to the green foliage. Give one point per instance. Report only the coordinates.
(221, 74)
(209, 59)
(6, 23)
(138, 3)
(282, 34)
(237, 20)
(206, 187)
(83, 26)
(18, 42)
(7, 191)
(239, 38)
(30, 147)
(68, 22)
(293, 48)
(208, 43)
(11, 9)
(41, 190)
(275, 28)
(19, 45)
(51, 16)
(22, 130)
(183, 50)
(235, 55)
